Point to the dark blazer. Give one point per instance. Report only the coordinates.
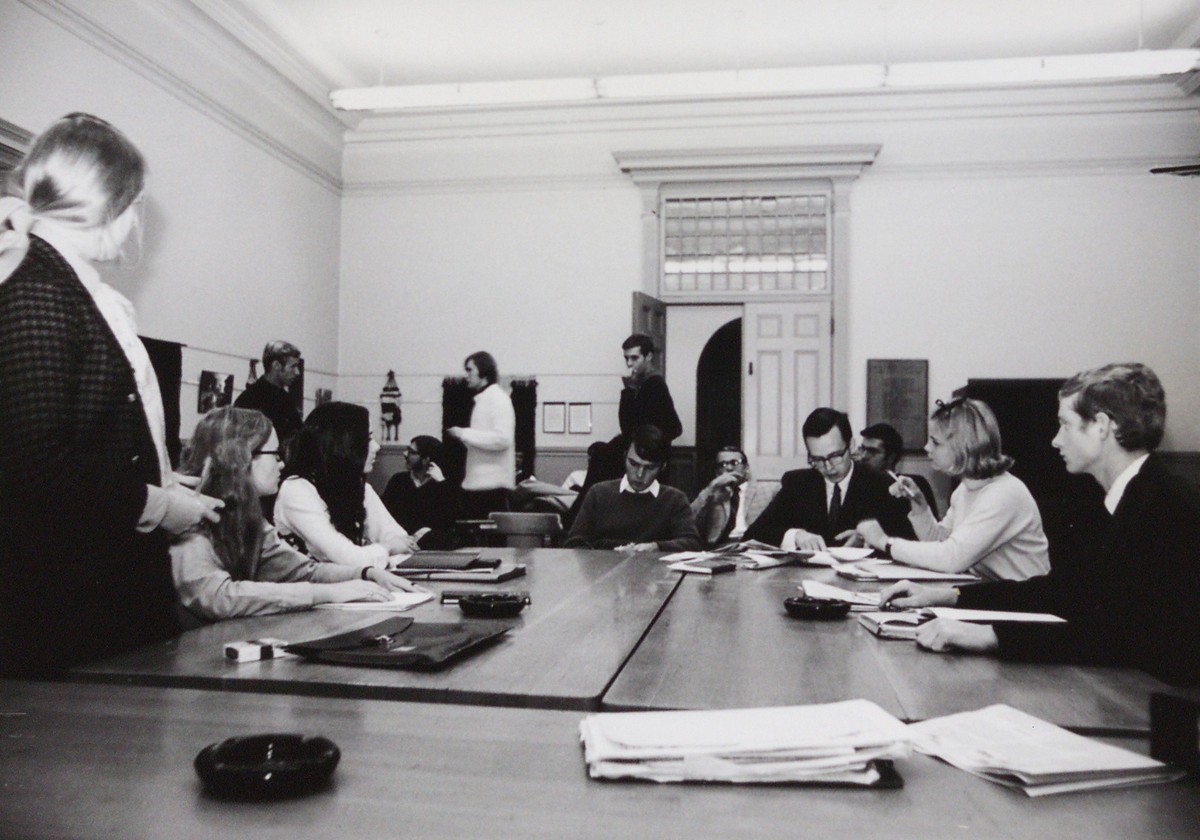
(76, 578)
(1128, 585)
(800, 503)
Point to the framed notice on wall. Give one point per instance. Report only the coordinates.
(554, 418)
(898, 393)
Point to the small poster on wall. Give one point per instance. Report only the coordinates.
(216, 390)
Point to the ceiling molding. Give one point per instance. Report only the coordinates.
(66, 14)
(869, 107)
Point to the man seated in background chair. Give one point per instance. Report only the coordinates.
(880, 447)
(821, 506)
(636, 513)
(732, 500)
(421, 497)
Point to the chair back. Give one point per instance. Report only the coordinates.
(527, 530)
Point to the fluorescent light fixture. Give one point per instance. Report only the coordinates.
(467, 94)
(1061, 68)
(743, 82)
(773, 82)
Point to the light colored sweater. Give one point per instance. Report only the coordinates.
(301, 512)
(285, 579)
(490, 441)
(993, 529)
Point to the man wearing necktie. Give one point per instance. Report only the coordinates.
(725, 508)
(821, 506)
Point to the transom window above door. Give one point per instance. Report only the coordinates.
(748, 243)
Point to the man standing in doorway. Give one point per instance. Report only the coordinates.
(645, 401)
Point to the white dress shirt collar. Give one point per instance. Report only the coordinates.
(1113, 497)
(626, 487)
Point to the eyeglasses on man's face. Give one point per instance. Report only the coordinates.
(827, 460)
(730, 463)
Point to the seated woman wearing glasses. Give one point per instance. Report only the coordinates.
(238, 566)
(993, 527)
(325, 506)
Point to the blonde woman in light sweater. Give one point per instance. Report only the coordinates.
(993, 527)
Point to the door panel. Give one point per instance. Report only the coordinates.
(786, 373)
(650, 317)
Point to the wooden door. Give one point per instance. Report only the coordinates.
(787, 364)
(650, 317)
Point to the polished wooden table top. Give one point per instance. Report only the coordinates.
(589, 610)
(726, 642)
(116, 761)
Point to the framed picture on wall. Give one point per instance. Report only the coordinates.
(554, 418)
(215, 390)
(580, 418)
(898, 393)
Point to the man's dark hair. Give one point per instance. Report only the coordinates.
(1130, 394)
(486, 365)
(651, 444)
(736, 449)
(885, 433)
(643, 342)
(822, 420)
(427, 446)
(279, 351)
(596, 447)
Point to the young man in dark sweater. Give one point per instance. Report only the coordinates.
(636, 513)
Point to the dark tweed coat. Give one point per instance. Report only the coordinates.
(76, 579)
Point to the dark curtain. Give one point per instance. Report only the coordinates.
(167, 359)
(457, 402)
(524, 400)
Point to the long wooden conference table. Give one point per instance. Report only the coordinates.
(107, 750)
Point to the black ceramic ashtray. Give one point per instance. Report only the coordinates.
(820, 609)
(492, 604)
(259, 767)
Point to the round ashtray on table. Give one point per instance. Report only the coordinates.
(492, 604)
(816, 609)
(262, 767)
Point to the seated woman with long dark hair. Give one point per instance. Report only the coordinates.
(239, 566)
(325, 506)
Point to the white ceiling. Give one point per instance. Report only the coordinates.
(326, 44)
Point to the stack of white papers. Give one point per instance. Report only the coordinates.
(1007, 746)
(834, 743)
(857, 600)
(399, 602)
(885, 570)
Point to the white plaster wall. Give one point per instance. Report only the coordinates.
(240, 246)
(1018, 238)
(540, 279)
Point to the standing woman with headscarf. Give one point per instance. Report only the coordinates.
(87, 497)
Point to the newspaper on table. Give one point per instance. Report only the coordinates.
(832, 743)
(1017, 750)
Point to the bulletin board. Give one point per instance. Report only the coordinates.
(898, 393)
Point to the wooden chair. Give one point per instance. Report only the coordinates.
(527, 530)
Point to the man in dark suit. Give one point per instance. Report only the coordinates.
(880, 447)
(1125, 575)
(820, 506)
